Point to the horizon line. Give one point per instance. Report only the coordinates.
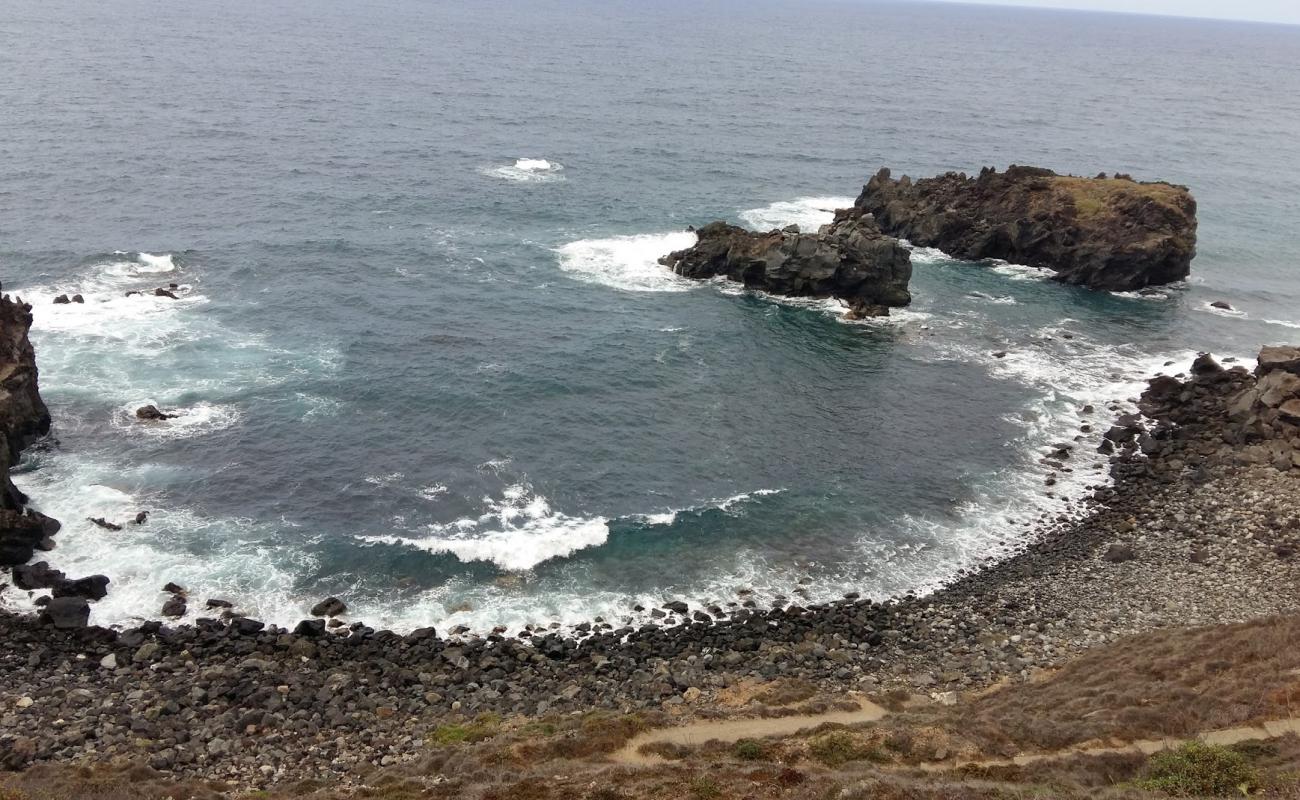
(1030, 6)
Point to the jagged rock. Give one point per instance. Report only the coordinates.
(19, 536)
(36, 576)
(1220, 304)
(161, 292)
(173, 588)
(174, 607)
(23, 419)
(105, 524)
(1276, 387)
(67, 612)
(676, 606)
(1286, 359)
(1290, 410)
(62, 300)
(152, 413)
(93, 588)
(141, 518)
(849, 259)
(76, 298)
(329, 607)
(1103, 233)
(214, 602)
(311, 628)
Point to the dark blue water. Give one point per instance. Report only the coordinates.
(424, 358)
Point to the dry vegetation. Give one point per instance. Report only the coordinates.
(1170, 683)
(1095, 197)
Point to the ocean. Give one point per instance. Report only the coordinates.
(424, 358)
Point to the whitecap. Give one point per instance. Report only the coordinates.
(527, 170)
(1142, 294)
(1021, 272)
(516, 532)
(809, 213)
(1283, 323)
(727, 505)
(630, 263)
(1222, 312)
(1003, 300)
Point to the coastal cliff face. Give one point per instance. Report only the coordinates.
(23, 418)
(1112, 233)
(849, 259)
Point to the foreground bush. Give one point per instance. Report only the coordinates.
(1197, 770)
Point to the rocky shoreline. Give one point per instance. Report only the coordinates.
(1200, 526)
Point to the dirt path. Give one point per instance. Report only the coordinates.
(734, 730)
(1222, 736)
(697, 733)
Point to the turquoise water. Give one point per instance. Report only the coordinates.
(425, 359)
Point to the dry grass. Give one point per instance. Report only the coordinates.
(1168, 683)
(1097, 197)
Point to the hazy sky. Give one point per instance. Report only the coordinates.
(1260, 10)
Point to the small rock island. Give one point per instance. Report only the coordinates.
(1108, 233)
(849, 259)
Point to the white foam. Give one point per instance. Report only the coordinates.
(809, 213)
(433, 491)
(527, 170)
(925, 255)
(726, 504)
(1222, 312)
(1021, 272)
(193, 420)
(630, 263)
(1283, 323)
(516, 532)
(235, 559)
(1142, 294)
(1003, 300)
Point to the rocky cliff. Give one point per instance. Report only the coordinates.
(23, 418)
(1111, 233)
(850, 259)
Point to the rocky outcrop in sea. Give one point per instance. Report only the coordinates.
(1111, 233)
(849, 259)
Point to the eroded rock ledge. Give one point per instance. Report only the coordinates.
(849, 259)
(1110, 233)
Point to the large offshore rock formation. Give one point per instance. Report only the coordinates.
(1111, 233)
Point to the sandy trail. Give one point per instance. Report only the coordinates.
(728, 731)
(734, 730)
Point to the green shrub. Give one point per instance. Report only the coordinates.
(750, 750)
(1197, 770)
(484, 726)
(841, 747)
(705, 788)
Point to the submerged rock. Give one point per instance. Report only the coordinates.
(849, 259)
(1111, 233)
